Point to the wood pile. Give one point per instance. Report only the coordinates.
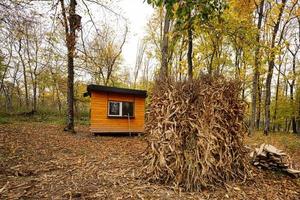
(269, 157)
(195, 133)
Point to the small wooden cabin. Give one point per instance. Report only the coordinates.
(116, 110)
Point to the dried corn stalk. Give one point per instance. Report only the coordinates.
(195, 133)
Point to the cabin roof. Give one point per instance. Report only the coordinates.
(125, 91)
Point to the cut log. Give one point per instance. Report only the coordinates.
(271, 149)
(269, 157)
(294, 173)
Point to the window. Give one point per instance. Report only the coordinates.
(127, 109)
(120, 109)
(114, 108)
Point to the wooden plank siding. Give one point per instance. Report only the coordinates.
(101, 123)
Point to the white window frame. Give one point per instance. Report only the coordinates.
(120, 109)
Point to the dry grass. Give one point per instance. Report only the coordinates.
(40, 161)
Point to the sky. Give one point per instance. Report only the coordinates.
(138, 13)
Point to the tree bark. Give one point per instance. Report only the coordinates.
(6, 67)
(270, 70)
(33, 72)
(179, 65)
(210, 66)
(293, 118)
(258, 106)
(255, 82)
(276, 101)
(24, 74)
(190, 47)
(8, 98)
(244, 81)
(165, 47)
(292, 86)
(70, 30)
(237, 62)
(70, 93)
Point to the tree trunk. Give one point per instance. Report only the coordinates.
(6, 67)
(8, 100)
(292, 86)
(237, 62)
(58, 99)
(24, 75)
(33, 73)
(19, 94)
(286, 88)
(190, 48)
(34, 107)
(255, 82)
(210, 66)
(298, 117)
(165, 47)
(276, 101)
(293, 118)
(258, 106)
(179, 67)
(70, 84)
(270, 70)
(244, 82)
(70, 29)
(268, 96)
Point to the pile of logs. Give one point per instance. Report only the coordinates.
(195, 133)
(269, 157)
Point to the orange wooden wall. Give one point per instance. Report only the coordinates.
(100, 122)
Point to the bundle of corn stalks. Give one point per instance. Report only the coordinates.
(195, 133)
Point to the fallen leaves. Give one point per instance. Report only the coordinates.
(40, 161)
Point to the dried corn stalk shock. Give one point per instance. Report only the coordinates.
(195, 133)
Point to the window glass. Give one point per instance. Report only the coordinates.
(114, 108)
(127, 109)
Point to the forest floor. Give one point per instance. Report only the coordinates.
(40, 161)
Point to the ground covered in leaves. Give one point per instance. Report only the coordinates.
(40, 161)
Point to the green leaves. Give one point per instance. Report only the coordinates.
(202, 9)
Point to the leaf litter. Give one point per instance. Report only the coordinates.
(40, 161)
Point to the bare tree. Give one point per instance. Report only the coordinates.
(33, 40)
(102, 55)
(139, 60)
